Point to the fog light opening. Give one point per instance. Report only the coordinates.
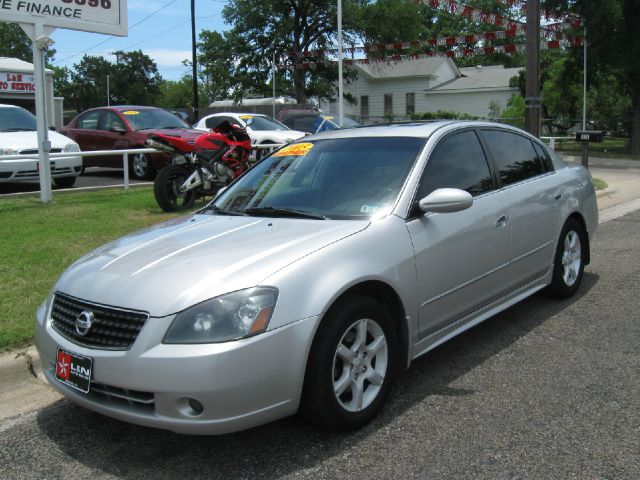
(190, 407)
(196, 406)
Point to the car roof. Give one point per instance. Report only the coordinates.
(235, 114)
(406, 129)
(6, 105)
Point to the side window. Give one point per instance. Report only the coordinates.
(544, 157)
(514, 155)
(458, 161)
(213, 122)
(89, 121)
(111, 120)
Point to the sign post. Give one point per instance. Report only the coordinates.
(39, 18)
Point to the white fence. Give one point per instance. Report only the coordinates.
(125, 156)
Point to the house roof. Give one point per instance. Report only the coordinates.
(15, 65)
(480, 77)
(424, 67)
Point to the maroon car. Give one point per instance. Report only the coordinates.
(125, 127)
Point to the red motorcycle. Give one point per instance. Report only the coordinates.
(201, 167)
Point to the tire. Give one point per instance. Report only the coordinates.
(347, 379)
(141, 167)
(64, 182)
(569, 261)
(166, 189)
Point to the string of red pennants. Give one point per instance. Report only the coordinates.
(458, 53)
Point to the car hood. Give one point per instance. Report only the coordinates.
(29, 140)
(279, 136)
(174, 265)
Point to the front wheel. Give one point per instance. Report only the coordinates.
(569, 260)
(166, 189)
(352, 365)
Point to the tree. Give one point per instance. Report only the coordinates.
(216, 60)
(176, 94)
(16, 44)
(133, 79)
(613, 47)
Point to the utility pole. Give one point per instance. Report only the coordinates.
(194, 62)
(532, 88)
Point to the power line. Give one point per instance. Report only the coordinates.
(113, 36)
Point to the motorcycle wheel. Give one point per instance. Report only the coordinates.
(166, 189)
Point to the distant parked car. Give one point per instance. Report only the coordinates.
(18, 136)
(313, 122)
(125, 127)
(262, 129)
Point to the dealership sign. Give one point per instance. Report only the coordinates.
(99, 16)
(17, 82)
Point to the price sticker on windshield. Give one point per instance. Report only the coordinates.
(131, 112)
(295, 149)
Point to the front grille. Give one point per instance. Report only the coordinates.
(117, 395)
(34, 151)
(111, 328)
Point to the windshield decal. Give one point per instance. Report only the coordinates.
(246, 117)
(131, 112)
(295, 149)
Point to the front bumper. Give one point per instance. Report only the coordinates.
(239, 384)
(28, 169)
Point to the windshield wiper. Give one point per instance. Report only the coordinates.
(222, 211)
(281, 212)
(18, 129)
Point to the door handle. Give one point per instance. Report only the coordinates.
(557, 195)
(501, 222)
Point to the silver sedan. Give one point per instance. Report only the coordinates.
(317, 276)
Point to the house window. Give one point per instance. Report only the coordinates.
(364, 108)
(411, 103)
(388, 104)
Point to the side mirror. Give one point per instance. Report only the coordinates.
(446, 200)
(118, 130)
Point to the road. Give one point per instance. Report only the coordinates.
(546, 390)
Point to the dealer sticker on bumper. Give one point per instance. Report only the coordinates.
(73, 370)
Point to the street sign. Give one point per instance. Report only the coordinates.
(98, 16)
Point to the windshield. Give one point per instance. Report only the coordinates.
(327, 122)
(263, 123)
(334, 178)
(16, 120)
(153, 118)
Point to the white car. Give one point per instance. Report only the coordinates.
(18, 136)
(262, 129)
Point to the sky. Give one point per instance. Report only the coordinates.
(160, 28)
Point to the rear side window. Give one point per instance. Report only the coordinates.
(514, 155)
(543, 156)
(458, 161)
(89, 121)
(213, 122)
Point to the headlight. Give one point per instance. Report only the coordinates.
(228, 317)
(71, 147)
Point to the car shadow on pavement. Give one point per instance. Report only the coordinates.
(288, 446)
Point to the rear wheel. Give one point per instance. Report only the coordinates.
(352, 365)
(141, 167)
(166, 189)
(569, 260)
(64, 182)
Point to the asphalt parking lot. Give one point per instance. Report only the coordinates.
(546, 390)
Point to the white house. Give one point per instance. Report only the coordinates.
(398, 89)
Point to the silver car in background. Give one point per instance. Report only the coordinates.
(316, 276)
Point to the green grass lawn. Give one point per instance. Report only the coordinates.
(608, 148)
(39, 241)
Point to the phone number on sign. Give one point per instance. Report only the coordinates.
(106, 4)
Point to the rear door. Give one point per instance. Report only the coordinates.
(533, 192)
(461, 257)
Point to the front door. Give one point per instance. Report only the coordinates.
(462, 258)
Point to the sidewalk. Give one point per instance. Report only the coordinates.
(23, 388)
